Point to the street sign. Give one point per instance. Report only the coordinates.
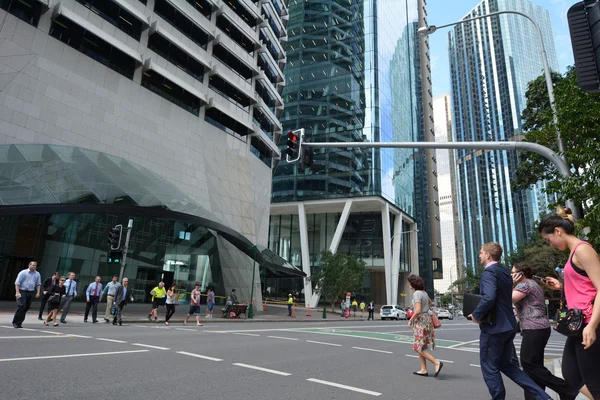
(547, 301)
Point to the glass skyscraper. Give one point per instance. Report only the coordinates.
(491, 62)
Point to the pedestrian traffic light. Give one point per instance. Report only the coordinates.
(114, 237)
(584, 26)
(293, 147)
(114, 257)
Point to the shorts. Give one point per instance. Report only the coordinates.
(210, 306)
(158, 302)
(194, 310)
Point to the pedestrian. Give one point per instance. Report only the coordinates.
(46, 286)
(170, 303)
(122, 297)
(67, 299)
(27, 286)
(371, 310)
(290, 303)
(424, 336)
(210, 302)
(195, 305)
(342, 308)
(92, 296)
(233, 296)
(362, 308)
(530, 306)
(55, 294)
(581, 283)
(110, 291)
(498, 330)
(158, 294)
(354, 306)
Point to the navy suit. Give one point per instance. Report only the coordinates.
(496, 338)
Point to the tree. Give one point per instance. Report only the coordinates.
(578, 116)
(340, 273)
(470, 282)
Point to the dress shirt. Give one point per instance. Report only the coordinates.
(70, 287)
(111, 288)
(28, 280)
(92, 288)
(124, 298)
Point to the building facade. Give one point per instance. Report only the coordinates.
(491, 62)
(162, 112)
(352, 75)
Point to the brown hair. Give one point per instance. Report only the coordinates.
(416, 282)
(524, 268)
(562, 219)
(494, 249)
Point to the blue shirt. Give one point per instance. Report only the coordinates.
(28, 280)
(92, 288)
(70, 287)
(111, 288)
(124, 294)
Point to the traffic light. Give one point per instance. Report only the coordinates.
(584, 25)
(114, 237)
(114, 257)
(307, 157)
(293, 146)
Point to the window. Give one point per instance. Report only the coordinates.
(176, 56)
(224, 122)
(202, 6)
(181, 22)
(244, 14)
(261, 150)
(170, 91)
(229, 91)
(144, 2)
(235, 34)
(117, 16)
(27, 10)
(89, 44)
(231, 61)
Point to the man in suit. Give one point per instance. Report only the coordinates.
(499, 329)
(122, 297)
(46, 286)
(92, 296)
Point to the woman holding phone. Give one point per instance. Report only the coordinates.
(55, 294)
(528, 298)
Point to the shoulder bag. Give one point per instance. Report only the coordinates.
(435, 320)
(569, 321)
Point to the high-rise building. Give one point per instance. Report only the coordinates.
(353, 75)
(159, 111)
(491, 62)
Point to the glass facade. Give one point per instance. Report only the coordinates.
(491, 63)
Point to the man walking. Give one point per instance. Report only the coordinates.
(290, 303)
(362, 308)
(110, 290)
(499, 328)
(159, 295)
(194, 305)
(371, 310)
(27, 285)
(70, 293)
(47, 285)
(92, 295)
(122, 297)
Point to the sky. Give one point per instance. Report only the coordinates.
(441, 12)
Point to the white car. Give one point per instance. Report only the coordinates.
(392, 312)
(443, 313)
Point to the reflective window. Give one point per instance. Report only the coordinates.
(202, 6)
(176, 56)
(181, 22)
(224, 122)
(116, 15)
(170, 91)
(27, 10)
(230, 92)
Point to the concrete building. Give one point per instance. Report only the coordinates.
(160, 111)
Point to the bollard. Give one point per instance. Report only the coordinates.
(265, 305)
(308, 311)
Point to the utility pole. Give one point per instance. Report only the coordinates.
(125, 248)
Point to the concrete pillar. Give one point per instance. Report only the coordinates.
(387, 251)
(309, 296)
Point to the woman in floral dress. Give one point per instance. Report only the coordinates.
(422, 326)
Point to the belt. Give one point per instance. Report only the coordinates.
(110, 295)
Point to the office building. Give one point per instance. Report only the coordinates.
(162, 112)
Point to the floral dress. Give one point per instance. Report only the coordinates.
(424, 336)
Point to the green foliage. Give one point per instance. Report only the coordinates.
(469, 283)
(340, 273)
(578, 116)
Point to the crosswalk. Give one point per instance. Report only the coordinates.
(554, 348)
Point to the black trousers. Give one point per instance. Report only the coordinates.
(580, 367)
(93, 304)
(371, 315)
(170, 311)
(532, 360)
(44, 300)
(118, 312)
(23, 305)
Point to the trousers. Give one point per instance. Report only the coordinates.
(119, 312)
(110, 300)
(23, 305)
(93, 304)
(65, 305)
(44, 300)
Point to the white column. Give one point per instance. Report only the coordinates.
(387, 251)
(397, 238)
(339, 230)
(414, 258)
(305, 252)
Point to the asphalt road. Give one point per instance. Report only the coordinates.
(328, 359)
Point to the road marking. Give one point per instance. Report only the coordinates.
(111, 340)
(79, 336)
(475, 365)
(271, 371)
(185, 353)
(337, 385)
(73, 355)
(29, 329)
(327, 344)
(378, 351)
(439, 359)
(245, 334)
(463, 343)
(31, 337)
(186, 329)
(52, 332)
(150, 346)
(281, 337)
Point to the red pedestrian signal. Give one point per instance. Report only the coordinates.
(292, 145)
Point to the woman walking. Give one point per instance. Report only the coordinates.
(528, 298)
(422, 326)
(170, 304)
(581, 284)
(55, 294)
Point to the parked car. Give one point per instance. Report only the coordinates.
(392, 312)
(409, 312)
(443, 313)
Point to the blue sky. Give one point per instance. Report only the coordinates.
(441, 12)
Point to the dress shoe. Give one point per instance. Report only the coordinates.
(63, 322)
(85, 321)
(40, 318)
(95, 322)
(17, 326)
(114, 323)
(106, 320)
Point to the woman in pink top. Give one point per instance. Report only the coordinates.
(581, 282)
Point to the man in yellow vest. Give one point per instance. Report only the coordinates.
(362, 307)
(159, 294)
(290, 303)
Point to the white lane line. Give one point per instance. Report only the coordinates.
(79, 336)
(375, 350)
(439, 359)
(271, 371)
(111, 340)
(337, 385)
(73, 355)
(31, 337)
(186, 329)
(281, 337)
(29, 329)
(245, 334)
(150, 346)
(325, 343)
(185, 353)
(463, 343)
(53, 332)
(475, 365)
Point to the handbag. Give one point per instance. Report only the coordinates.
(113, 310)
(435, 320)
(55, 298)
(569, 321)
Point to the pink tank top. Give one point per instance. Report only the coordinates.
(579, 290)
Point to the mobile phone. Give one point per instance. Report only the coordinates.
(539, 278)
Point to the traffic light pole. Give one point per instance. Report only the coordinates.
(125, 248)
